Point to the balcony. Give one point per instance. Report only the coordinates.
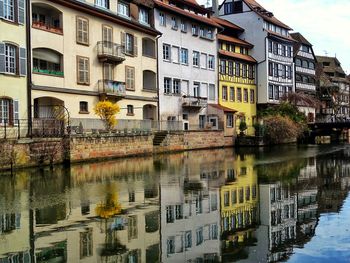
(111, 89)
(110, 52)
(46, 17)
(194, 103)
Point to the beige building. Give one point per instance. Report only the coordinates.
(87, 51)
(13, 69)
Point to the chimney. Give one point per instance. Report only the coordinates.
(215, 7)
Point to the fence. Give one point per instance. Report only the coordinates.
(22, 128)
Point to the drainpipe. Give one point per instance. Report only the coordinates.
(29, 66)
(157, 38)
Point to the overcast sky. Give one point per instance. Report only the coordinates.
(325, 23)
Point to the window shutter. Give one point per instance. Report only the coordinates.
(1, 8)
(135, 46)
(122, 39)
(11, 113)
(21, 11)
(15, 112)
(22, 62)
(87, 68)
(2, 57)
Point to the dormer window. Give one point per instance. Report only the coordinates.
(123, 9)
(143, 16)
(102, 3)
(201, 32)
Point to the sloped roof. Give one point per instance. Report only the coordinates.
(234, 40)
(223, 108)
(237, 56)
(267, 15)
(334, 64)
(179, 11)
(226, 23)
(300, 38)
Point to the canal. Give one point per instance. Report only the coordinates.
(287, 204)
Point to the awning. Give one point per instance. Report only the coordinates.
(47, 55)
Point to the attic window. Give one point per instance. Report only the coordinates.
(238, 7)
(326, 64)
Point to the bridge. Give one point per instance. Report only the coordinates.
(332, 129)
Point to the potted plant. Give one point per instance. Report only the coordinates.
(242, 127)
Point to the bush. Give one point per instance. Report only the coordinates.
(280, 128)
(107, 111)
(243, 126)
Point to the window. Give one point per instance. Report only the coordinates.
(129, 78)
(149, 80)
(234, 197)
(311, 65)
(204, 61)
(129, 42)
(232, 94)
(174, 23)
(10, 59)
(271, 92)
(83, 107)
(196, 58)
(188, 239)
(229, 120)
(102, 3)
(252, 96)
(238, 7)
(211, 62)
(270, 46)
(175, 54)
(183, 26)
(289, 52)
(176, 86)
(223, 67)
(276, 92)
(184, 56)
(239, 95)
(238, 69)
(167, 85)
(86, 245)
(5, 111)
(148, 47)
(162, 19)
(305, 64)
(83, 66)
(82, 31)
(171, 245)
(251, 72)
(178, 212)
(169, 214)
(123, 8)
(8, 9)
(199, 235)
(196, 89)
(228, 8)
(194, 30)
(143, 15)
(247, 193)
(130, 111)
(244, 71)
(210, 34)
(224, 92)
(166, 52)
(275, 48)
(241, 195)
(230, 68)
(245, 95)
(211, 92)
(201, 32)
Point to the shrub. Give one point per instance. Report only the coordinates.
(243, 126)
(107, 111)
(280, 128)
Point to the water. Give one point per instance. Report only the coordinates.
(287, 204)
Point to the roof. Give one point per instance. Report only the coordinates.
(334, 64)
(268, 16)
(300, 38)
(237, 56)
(179, 11)
(234, 40)
(271, 33)
(226, 23)
(223, 108)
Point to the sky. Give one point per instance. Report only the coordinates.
(324, 23)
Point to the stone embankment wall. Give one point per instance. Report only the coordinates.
(80, 148)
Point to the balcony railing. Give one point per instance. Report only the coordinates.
(110, 52)
(111, 88)
(48, 72)
(194, 102)
(47, 27)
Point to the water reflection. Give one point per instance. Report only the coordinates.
(204, 206)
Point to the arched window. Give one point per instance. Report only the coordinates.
(298, 62)
(149, 80)
(46, 17)
(305, 64)
(47, 61)
(148, 47)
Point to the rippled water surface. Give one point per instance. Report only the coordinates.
(283, 204)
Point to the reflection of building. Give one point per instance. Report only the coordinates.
(278, 216)
(190, 213)
(239, 208)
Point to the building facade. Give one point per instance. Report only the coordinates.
(187, 58)
(237, 86)
(273, 47)
(87, 51)
(13, 63)
(305, 74)
(333, 88)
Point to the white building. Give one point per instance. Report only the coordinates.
(187, 59)
(273, 47)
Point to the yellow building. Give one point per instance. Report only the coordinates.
(237, 84)
(87, 51)
(13, 68)
(239, 204)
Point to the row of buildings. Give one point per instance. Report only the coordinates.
(170, 61)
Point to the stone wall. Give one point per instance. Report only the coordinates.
(203, 139)
(94, 147)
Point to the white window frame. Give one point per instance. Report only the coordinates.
(211, 62)
(162, 19)
(10, 59)
(143, 16)
(166, 52)
(9, 10)
(167, 85)
(184, 56)
(102, 3)
(4, 111)
(196, 59)
(123, 9)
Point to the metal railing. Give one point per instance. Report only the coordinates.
(190, 101)
(111, 87)
(111, 50)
